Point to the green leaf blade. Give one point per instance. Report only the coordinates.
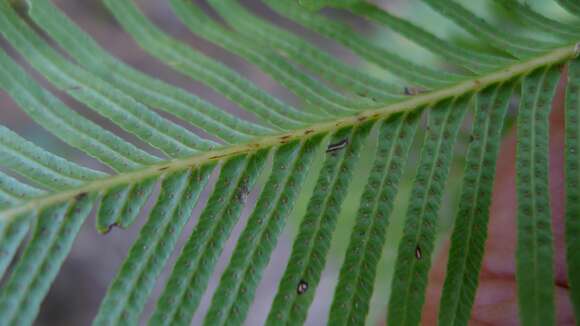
(518, 46)
(121, 205)
(534, 252)
(131, 287)
(312, 243)
(470, 231)
(233, 298)
(40, 165)
(214, 74)
(474, 61)
(172, 139)
(415, 248)
(35, 271)
(409, 71)
(357, 275)
(571, 6)
(191, 272)
(305, 54)
(311, 91)
(66, 124)
(150, 91)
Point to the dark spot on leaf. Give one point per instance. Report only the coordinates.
(81, 196)
(110, 227)
(337, 146)
(302, 287)
(163, 168)
(418, 253)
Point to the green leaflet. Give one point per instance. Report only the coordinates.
(416, 246)
(470, 231)
(572, 172)
(413, 73)
(121, 206)
(40, 166)
(172, 139)
(150, 91)
(11, 236)
(191, 272)
(321, 63)
(520, 47)
(12, 192)
(233, 298)
(53, 235)
(311, 91)
(534, 253)
(132, 286)
(572, 6)
(318, 4)
(49, 112)
(211, 72)
(357, 275)
(541, 22)
(474, 61)
(298, 285)
(332, 89)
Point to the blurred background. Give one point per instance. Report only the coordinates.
(93, 262)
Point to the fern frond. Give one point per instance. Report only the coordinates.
(182, 139)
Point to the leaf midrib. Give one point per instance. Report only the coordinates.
(550, 58)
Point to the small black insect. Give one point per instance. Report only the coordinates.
(337, 146)
(110, 227)
(418, 253)
(80, 196)
(410, 91)
(302, 287)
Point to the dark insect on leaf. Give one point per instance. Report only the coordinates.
(110, 227)
(80, 196)
(410, 91)
(337, 146)
(302, 287)
(418, 253)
